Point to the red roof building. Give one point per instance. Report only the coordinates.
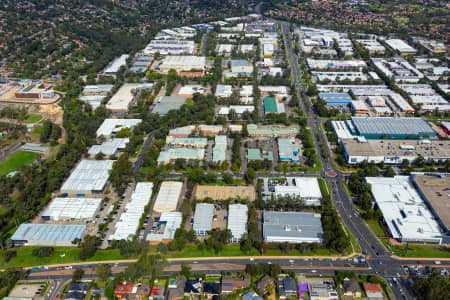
(123, 290)
(373, 290)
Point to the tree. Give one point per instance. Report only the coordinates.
(250, 175)
(389, 172)
(103, 272)
(8, 255)
(99, 156)
(88, 247)
(43, 251)
(228, 178)
(77, 274)
(435, 286)
(162, 248)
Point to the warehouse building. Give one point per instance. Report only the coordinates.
(189, 142)
(339, 76)
(400, 46)
(89, 177)
(120, 102)
(188, 91)
(288, 150)
(339, 101)
(398, 68)
(168, 196)
(372, 45)
(47, 235)
(110, 127)
(272, 130)
(280, 92)
(167, 225)
(271, 105)
(129, 220)
(392, 128)
(223, 91)
(182, 63)
(405, 213)
(109, 147)
(238, 109)
(94, 94)
(237, 221)
(72, 208)
(170, 47)
(292, 227)
(210, 130)
(114, 67)
(220, 148)
(214, 192)
(357, 150)
(305, 188)
(182, 131)
(321, 64)
(167, 103)
(184, 153)
(434, 189)
(203, 218)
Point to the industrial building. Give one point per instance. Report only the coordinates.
(323, 64)
(189, 142)
(182, 131)
(89, 177)
(372, 45)
(47, 235)
(188, 91)
(305, 188)
(170, 47)
(109, 147)
(223, 91)
(78, 209)
(167, 224)
(340, 101)
(279, 92)
(398, 68)
(167, 103)
(129, 220)
(391, 128)
(400, 46)
(238, 109)
(288, 150)
(220, 148)
(114, 67)
(183, 153)
(272, 130)
(339, 76)
(434, 190)
(121, 100)
(94, 94)
(271, 105)
(183, 63)
(237, 221)
(255, 154)
(110, 127)
(217, 192)
(210, 130)
(203, 218)
(426, 97)
(405, 213)
(168, 196)
(292, 227)
(358, 149)
(224, 49)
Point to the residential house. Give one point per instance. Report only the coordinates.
(193, 287)
(287, 287)
(230, 284)
(140, 291)
(251, 296)
(123, 290)
(211, 289)
(175, 288)
(373, 290)
(350, 287)
(156, 293)
(263, 283)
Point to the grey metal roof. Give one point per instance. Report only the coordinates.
(203, 216)
(292, 224)
(167, 103)
(89, 175)
(48, 232)
(387, 125)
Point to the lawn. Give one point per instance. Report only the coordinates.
(16, 160)
(33, 118)
(219, 181)
(377, 228)
(415, 250)
(37, 130)
(25, 258)
(325, 187)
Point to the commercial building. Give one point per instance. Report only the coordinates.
(220, 148)
(121, 100)
(72, 208)
(357, 150)
(89, 177)
(255, 154)
(360, 107)
(223, 91)
(188, 91)
(340, 101)
(182, 131)
(167, 224)
(189, 142)
(426, 97)
(246, 48)
(434, 190)
(47, 234)
(288, 150)
(110, 127)
(109, 147)
(217, 192)
(305, 188)
(237, 221)
(167, 103)
(271, 105)
(183, 63)
(170, 47)
(292, 227)
(238, 109)
(405, 213)
(169, 194)
(94, 94)
(224, 49)
(323, 64)
(397, 68)
(203, 218)
(272, 130)
(339, 76)
(128, 223)
(279, 92)
(400, 46)
(211, 130)
(391, 128)
(114, 67)
(372, 45)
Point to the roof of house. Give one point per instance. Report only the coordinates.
(193, 286)
(351, 285)
(211, 288)
(373, 290)
(229, 283)
(78, 286)
(251, 296)
(123, 289)
(178, 291)
(289, 284)
(262, 284)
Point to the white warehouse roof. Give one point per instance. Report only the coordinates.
(168, 196)
(109, 147)
(237, 220)
(112, 126)
(203, 218)
(404, 211)
(72, 208)
(307, 188)
(172, 220)
(88, 176)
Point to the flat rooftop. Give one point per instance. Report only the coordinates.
(436, 190)
(394, 127)
(48, 232)
(123, 97)
(88, 176)
(225, 192)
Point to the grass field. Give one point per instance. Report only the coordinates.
(16, 160)
(25, 258)
(415, 250)
(376, 228)
(33, 118)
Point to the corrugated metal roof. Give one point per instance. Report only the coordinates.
(203, 216)
(237, 220)
(48, 232)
